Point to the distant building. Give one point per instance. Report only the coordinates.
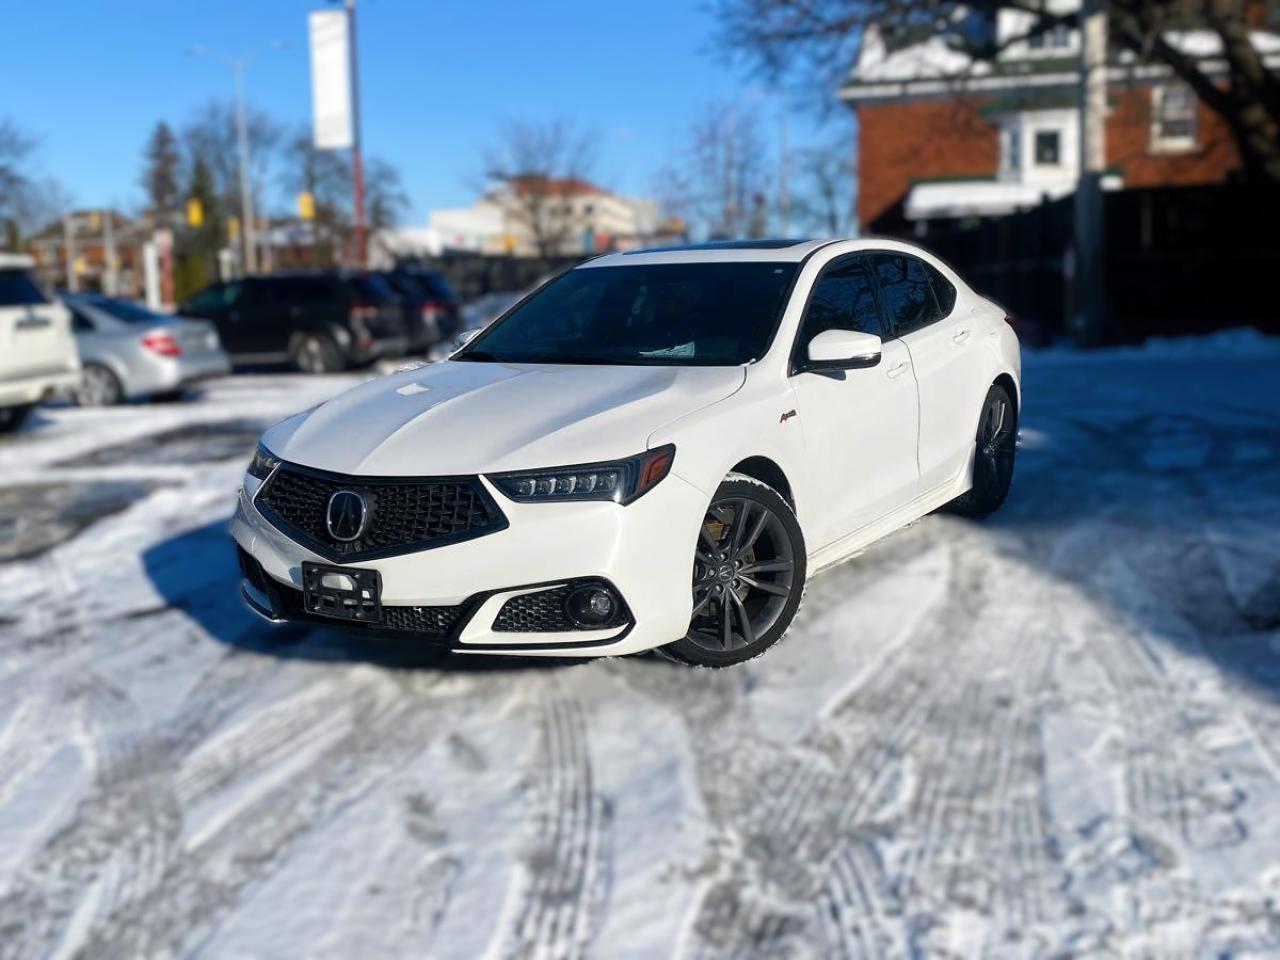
(91, 245)
(942, 136)
(582, 217)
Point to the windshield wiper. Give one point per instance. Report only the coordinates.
(484, 356)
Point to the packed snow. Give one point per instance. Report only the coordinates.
(1054, 732)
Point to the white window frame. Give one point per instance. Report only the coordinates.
(1163, 143)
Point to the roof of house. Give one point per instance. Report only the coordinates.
(935, 67)
(530, 184)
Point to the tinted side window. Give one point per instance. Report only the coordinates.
(904, 287)
(208, 301)
(18, 290)
(80, 322)
(943, 291)
(842, 299)
(307, 290)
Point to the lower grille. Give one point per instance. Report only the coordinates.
(402, 515)
(541, 612)
(439, 620)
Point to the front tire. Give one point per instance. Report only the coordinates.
(12, 418)
(748, 576)
(994, 451)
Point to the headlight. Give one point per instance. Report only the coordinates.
(620, 481)
(262, 463)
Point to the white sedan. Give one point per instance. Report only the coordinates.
(653, 450)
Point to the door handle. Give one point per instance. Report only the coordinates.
(897, 370)
(960, 336)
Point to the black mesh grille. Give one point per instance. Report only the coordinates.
(432, 622)
(541, 612)
(421, 619)
(402, 515)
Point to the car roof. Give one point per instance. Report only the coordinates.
(728, 251)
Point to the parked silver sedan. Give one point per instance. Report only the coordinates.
(128, 351)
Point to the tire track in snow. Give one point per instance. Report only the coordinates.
(563, 884)
(202, 887)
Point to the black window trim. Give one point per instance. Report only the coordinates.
(875, 281)
(794, 364)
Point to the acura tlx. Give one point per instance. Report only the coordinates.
(652, 450)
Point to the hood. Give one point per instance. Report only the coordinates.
(463, 417)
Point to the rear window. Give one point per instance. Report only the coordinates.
(125, 310)
(436, 286)
(371, 288)
(17, 289)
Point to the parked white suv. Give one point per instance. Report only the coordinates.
(652, 450)
(37, 351)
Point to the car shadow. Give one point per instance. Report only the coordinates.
(196, 572)
(1156, 495)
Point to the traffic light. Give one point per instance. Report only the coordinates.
(195, 212)
(306, 206)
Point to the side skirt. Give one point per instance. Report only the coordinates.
(854, 543)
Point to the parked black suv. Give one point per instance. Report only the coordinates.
(319, 322)
(432, 309)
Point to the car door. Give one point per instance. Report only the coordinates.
(266, 316)
(941, 345)
(221, 305)
(859, 425)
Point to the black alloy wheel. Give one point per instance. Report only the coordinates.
(748, 576)
(994, 453)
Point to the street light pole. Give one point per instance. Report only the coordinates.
(246, 186)
(248, 231)
(357, 160)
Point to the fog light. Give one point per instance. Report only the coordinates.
(590, 607)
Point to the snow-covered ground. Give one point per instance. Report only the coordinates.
(1055, 732)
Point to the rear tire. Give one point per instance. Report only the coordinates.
(316, 353)
(98, 387)
(12, 418)
(995, 448)
(748, 576)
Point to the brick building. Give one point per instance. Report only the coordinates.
(941, 136)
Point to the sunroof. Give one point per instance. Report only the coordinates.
(774, 244)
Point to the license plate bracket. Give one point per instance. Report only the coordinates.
(343, 593)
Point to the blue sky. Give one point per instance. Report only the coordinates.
(90, 79)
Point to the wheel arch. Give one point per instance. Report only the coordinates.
(1010, 385)
(767, 470)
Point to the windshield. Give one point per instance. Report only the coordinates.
(126, 311)
(686, 314)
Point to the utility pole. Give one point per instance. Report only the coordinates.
(1090, 301)
(357, 161)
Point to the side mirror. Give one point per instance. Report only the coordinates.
(843, 350)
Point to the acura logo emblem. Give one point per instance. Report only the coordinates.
(347, 516)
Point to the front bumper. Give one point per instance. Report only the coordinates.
(643, 550)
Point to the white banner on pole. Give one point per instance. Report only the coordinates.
(331, 80)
